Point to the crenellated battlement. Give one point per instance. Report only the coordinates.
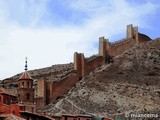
(115, 48)
(64, 77)
(84, 66)
(119, 41)
(107, 49)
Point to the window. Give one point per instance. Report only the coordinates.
(28, 96)
(28, 84)
(7, 101)
(22, 84)
(11, 101)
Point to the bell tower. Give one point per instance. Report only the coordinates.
(25, 89)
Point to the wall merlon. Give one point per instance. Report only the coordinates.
(41, 88)
(120, 41)
(102, 38)
(84, 66)
(111, 49)
(79, 63)
(107, 40)
(136, 29)
(129, 31)
(102, 46)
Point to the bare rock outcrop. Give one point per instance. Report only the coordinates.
(130, 84)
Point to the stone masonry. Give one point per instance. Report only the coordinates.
(84, 66)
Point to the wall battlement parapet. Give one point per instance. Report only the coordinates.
(118, 41)
(91, 57)
(122, 41)
(107, 48)
(83, 65)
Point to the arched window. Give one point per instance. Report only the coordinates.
(22, 84)
(7, 101)
(28, 95)
(28, 84)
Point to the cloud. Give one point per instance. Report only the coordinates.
(47, 37)
(24, 13)
(111, 16)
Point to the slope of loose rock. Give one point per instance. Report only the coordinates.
(53, 73)
(131, 83)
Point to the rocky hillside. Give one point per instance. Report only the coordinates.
(130, 84)
(53, 73)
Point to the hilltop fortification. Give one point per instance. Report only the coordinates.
(131, 84)
(53, 82)
(108, 50)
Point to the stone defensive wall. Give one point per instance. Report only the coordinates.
(113, 49)
(57, 89)
(143, 38)
(59, 79)
(41, 94)
(50, 91)
(118, 47)
(92, 64)
(83, 66)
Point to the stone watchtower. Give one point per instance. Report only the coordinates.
(25, 88)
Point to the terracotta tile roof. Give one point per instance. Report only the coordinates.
(5, 91)
(25, 75)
